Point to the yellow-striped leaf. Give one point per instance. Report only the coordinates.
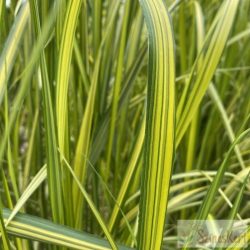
(160, 126)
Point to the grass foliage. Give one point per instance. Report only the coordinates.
(118, 118)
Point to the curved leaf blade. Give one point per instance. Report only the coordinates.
(160, 126)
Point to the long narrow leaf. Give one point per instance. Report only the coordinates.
(210, 62)
(35, 228)
(160, 126)
(65, 56)
(11, 48)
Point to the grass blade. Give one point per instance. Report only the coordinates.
(10, 50)
(128, 176)
(117, 85)
(211, 194)
(160, 126)
(4, 236)
(54, 171)
(83, 144)
(216, 98)
(236, 206)
(34, 184)
(92, 206)
(65, 55)
(35, 228)
(210, 62)
(25, 83)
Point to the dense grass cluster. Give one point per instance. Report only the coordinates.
(119, 118)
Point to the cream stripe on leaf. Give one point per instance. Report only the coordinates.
(160, 126)
(65, 56)
(11, 47)
(219, 36)
(35, 228)
(63, 73)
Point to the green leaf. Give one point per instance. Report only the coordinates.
(235, 207)
(35, 228)
(128, 176)
(201, 77)
(65, 55)
(216, 98)
(4, 236)
(92, 206)
(25, 82)
(211, 194)
(11, 47)
(84, 140)
(31, 188)
(83, 144)
(54, 171)
(160, 126)
(117, 85)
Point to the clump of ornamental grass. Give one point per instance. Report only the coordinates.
(119, 118)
